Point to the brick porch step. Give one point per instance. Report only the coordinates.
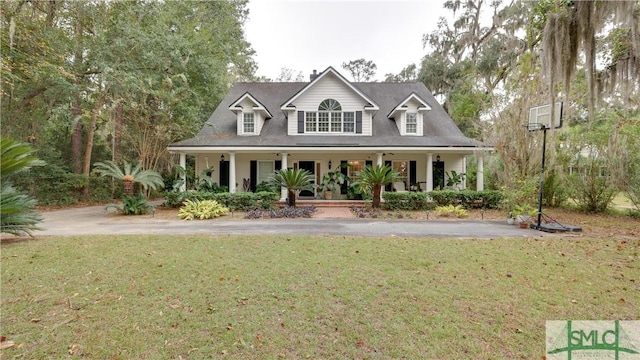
(328, 203)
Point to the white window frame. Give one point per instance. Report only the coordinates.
(411, 125)
(248, 123)
(330, 122)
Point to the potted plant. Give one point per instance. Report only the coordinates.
(331, 182)
(524, 213)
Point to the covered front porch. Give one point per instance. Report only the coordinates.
(243, 170)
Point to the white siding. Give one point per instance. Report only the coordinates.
(292, 122)
(259, 119)
(401, 120)
(329, 87)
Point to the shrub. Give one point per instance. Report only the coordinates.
(404, 200)
(205, 209)
(486, 199)
(235, 201)
(133, 205)
(293, 212)
(364, 212)
(267, 186)
(451, 210)
(285, 212)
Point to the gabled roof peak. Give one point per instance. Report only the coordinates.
(235, 106)
(424, 106)
(287, 105)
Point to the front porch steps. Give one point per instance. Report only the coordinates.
(327, 203)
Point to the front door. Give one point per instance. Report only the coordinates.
(438, 175)
(310, 166)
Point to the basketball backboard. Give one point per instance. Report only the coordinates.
(540, 117)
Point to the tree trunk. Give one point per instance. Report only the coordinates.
(89, 148)
(376, 196)
(117, 129)
(292, 198)
(76, 107)
(128, 186)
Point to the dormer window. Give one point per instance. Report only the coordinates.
(330, 119)
(411, 123)
(248, 123)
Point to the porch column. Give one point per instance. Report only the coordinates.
(464, 171)
(480, 175)
(283, 190)
(183, 165)
(379, 159)
(429, 172)
(232, 172)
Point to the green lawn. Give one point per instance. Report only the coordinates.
(271, 297)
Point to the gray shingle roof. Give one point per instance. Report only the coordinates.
(220, 129)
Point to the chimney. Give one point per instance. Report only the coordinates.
(313, 76)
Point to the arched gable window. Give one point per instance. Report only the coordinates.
(329, 105)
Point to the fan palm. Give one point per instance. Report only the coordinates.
(374, 178)
(17, 210)
(294, 180)
(129, 175)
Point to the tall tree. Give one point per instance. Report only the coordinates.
(288, 75)
(408, 74)
(567, 27)
(125, 78)
(360, 69)
(472, 57)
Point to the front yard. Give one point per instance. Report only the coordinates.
(244, 297)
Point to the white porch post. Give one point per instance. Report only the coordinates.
(429, 172)
(183, 165)
(480, 175)
(283, 190)
(379, 159)
(232, 172)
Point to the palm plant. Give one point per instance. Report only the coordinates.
(294, 180)
(129, 175)
(374, 178)
(17, 210)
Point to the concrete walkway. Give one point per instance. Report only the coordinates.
(332, 221)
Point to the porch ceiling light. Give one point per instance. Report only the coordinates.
(329, 164)
(222, 157)
(438, 158)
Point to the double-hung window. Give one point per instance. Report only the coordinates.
(248, 123)
(265, 171)
(411, 125)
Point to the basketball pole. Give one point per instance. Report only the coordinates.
(544, 148)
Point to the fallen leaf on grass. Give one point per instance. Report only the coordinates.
(5, 344)
(73, 348)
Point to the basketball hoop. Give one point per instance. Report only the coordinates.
(540, 119)
(534, 126)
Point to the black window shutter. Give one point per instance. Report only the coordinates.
(253, 172)
(389, 186)
(344, 187)
(358, 122)
(300, 122)
(412, 172)
(224, 173)
(369, 163)
(278, 165)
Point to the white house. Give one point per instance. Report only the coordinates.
(260, 127)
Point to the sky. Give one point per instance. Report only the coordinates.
(307, 35)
